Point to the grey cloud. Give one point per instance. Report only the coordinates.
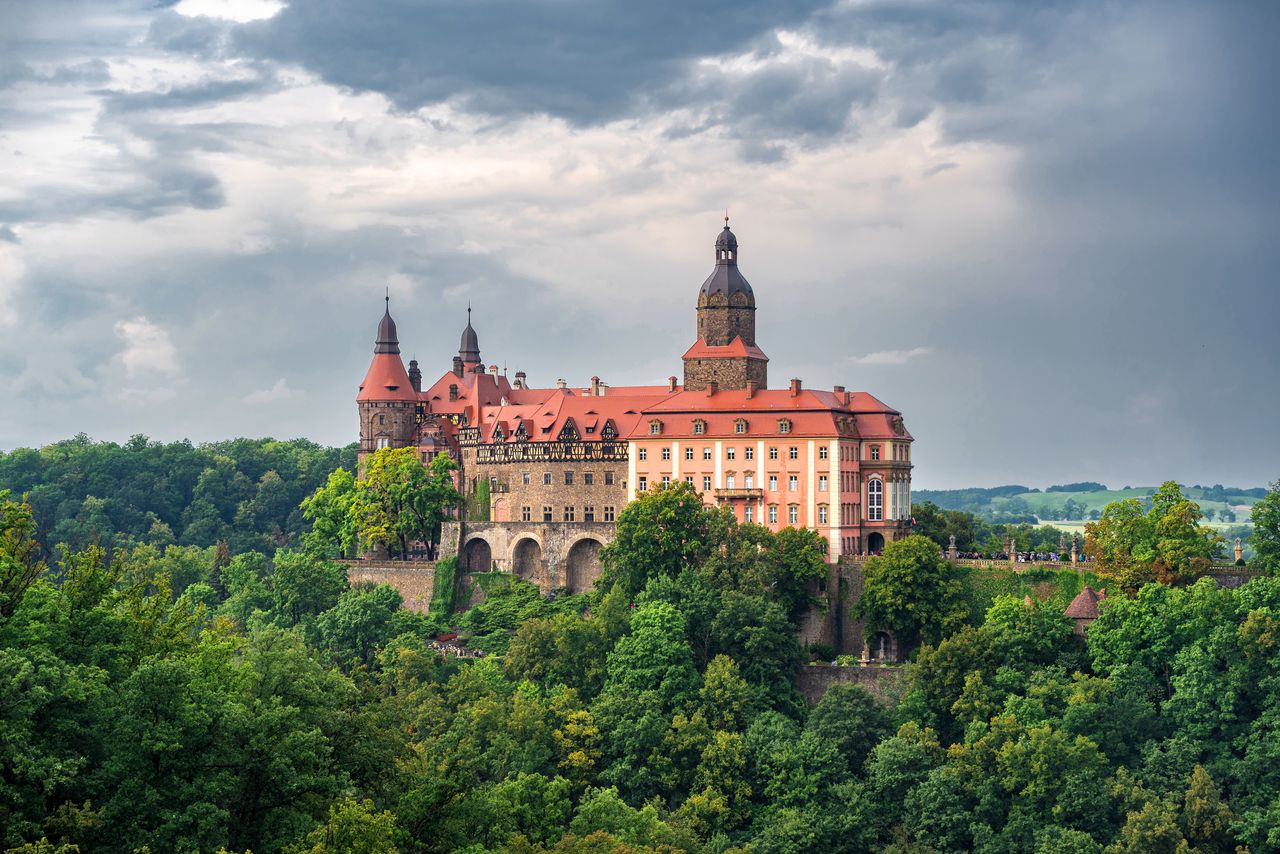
(579, 60)
(8, 235)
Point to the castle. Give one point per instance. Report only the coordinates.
(560, 463)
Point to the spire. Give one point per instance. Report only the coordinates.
(469, 348)
(387, 341)
(725, 278)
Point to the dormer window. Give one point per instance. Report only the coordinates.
(655, 427)
(609, 431)
(699, 427)
(740, 426)
(784, 425)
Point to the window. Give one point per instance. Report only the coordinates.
(793, 483)
(706, 483)
(729, 482)
(688, 453)
(525, 478)
(546, 514)
(749, 452)
(822, 452)
(688, 479)
(666, 480)
(793, 513)
(740, 426)
(729, 453)
(655, 428)
(748, 513)
(793, 453)
(773, 453)
(773, 483)
(644, 453)
(608, 512)
(526, 513)
(822, 483)
(822, 514)
(784, 425)
(706, 453)
(383, 442)
(773, 514)
(588, 478)
(546, 478)
(875, 500)
(568, 478)
(666, 453)
(382, 419)
(588, 513)
(875, 452)
(749, 480)
(699, 427)
(608, 478)
(568, 514)
(642, 484)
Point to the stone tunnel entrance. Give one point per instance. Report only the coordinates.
(477, 556)
(526, 560)
(583, 565)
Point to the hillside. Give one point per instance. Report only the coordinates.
(1081, 502)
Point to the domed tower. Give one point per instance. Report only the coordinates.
(726, 351)
(387, 402)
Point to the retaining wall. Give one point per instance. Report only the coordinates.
(884, 683)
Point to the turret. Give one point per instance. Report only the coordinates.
(387, 400)
(469, 347)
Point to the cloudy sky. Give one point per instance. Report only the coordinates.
(1049, 233)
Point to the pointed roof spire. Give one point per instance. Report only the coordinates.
(469, 348)
(387, 341)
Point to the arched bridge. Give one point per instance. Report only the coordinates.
(552, 555)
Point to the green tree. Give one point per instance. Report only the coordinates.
(849, 719)
(912, 590)
(661, 533)
(333, 530)
(353, 827)
(1165, 543)
(1265, 538)
(399, 502)
(20, 563)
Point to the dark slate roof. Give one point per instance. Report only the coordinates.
(1085, 605)
(726, 240)
(469, 348)
(725, 279)
(387, 341)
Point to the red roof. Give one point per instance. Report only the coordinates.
(735, 349)
(386, 380)
(1085, 605)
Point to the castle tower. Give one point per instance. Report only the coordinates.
(387, 402)
(726, 352)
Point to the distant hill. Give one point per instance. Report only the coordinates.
(1083, 501)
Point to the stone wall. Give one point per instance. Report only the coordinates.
(512, 494)
(415, 579)
(884, 683)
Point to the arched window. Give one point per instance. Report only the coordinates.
(784, 425)
(740, 426)
(699, 427)
(875, 499)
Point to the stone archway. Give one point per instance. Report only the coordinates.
(875, 543)
(582, 567)
(883, 647)
(526, 560)
(477, 556)
(501, 510)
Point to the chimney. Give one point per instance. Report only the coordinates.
(795, 388)
(457, 366)
(453, 391)
(671, 383)
(493, 369)
(712, 388)
(561, 384)
(839, 390)
(520, 379)
(848, 398)
(415, 375)
(595, 386)
(751, 389)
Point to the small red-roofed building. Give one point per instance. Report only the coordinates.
(1083, 609)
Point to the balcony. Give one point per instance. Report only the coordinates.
(745, 493)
